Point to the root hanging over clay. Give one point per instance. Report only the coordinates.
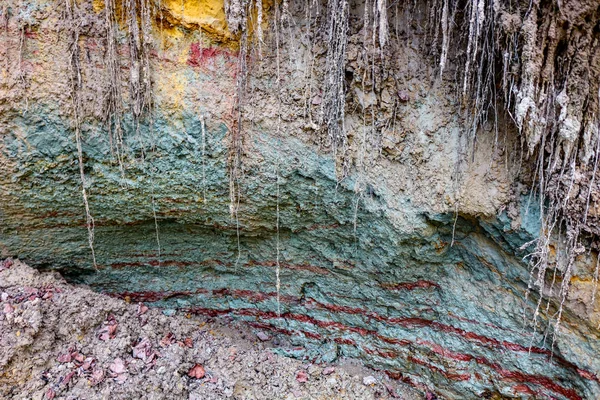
(539, 62)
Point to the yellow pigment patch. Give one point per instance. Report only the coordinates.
(171, 85)
(98, 5)
(208, 15)
(577, 279)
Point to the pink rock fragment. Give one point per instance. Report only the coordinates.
(167, 340)
(121, 379)
(64, 358)
(6, 264)
(141, 309)
(403, 96)
(97, 376)
(301, 376)
(117, 367)
(187, 342)
(68, 378)
(197, 372)
(430, 396)
(109, 330)
(8, 309)
(87, 364)
(143, 351)
(263, 337)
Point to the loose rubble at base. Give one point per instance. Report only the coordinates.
(59, 341)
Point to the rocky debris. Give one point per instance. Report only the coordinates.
(109, 329)
(76, 343)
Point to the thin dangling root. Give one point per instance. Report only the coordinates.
(76, 87)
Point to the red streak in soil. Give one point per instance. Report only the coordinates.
(346, 341)
(153, 263)
(524, 389)
(448, 375)
(413, 322)
(505, 374)
(148, 297)
(381, 353)
(272, 328)
(306, 267)
(537, 380)
(255, 297)
(200, 55)
(587, 375)
(420, 284)
(398, 342)
(437, 349)
(211, 312)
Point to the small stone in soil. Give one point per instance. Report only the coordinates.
(197, 372)
(263, 336)
(369, 380)
(301, 376)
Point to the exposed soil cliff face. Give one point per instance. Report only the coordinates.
(403, 250)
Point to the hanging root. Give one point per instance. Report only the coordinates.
(203, 128)
(136, 16)
(113, 101)
(550, 81)
(277, 265)
(74, 30)
(237, 16)
(334, 96)
(383, 23)
(139, 26)
(138, 23)
(259, 25)
(238, 24)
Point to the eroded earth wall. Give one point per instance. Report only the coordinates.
(412, 264)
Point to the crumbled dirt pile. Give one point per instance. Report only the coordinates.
(61, 341)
